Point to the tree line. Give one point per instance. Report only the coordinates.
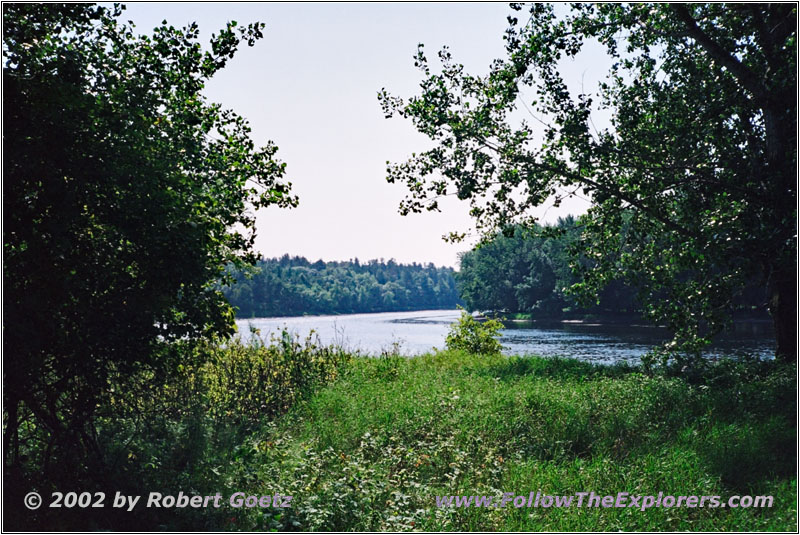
(292, 285)
(535, 272)
(538, 272)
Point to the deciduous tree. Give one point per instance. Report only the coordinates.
(125, 193)
(693, 183)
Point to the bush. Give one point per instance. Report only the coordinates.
(473, 336)
(257, 380)
(191, 428)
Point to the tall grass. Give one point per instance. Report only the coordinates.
(368, 443)
(373, 450)
(192, 430)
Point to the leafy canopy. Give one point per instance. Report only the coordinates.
(294, 286)
(125, 194)
(472, 336)
(693, 182)
(529, 272)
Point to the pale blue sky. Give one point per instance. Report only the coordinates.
(310, 85)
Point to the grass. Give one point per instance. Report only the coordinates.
(373, 449)
(366, 444)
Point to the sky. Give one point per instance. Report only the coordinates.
(310, 85)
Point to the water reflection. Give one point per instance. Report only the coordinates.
(419, 332)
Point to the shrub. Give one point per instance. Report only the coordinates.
(257, 380)
(473, 336)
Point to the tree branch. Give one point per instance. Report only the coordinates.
(654, 214)
(746, 77)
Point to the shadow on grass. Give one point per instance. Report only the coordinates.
(555, 368)
(739, 416)
(747, 454)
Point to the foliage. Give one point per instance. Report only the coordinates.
(693, 184)
(291, 286)
(371, 450)
(529, 272)
(184, 434)
(371, 454)
(125, 194)
(260, 380)
(472, 336)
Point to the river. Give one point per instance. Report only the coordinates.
(421, 331)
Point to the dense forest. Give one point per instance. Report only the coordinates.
(528, 271)
(291, 286)
(535, 272)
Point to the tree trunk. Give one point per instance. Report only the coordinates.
(11, 435)
(783, 308)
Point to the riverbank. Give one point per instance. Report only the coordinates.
(367, 444)
(373, 450)
(420, 332)
(339, 313)
(609, 318)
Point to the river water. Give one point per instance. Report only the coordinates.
(421, 331)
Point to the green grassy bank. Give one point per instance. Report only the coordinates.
(368, 443)
(372, 451)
